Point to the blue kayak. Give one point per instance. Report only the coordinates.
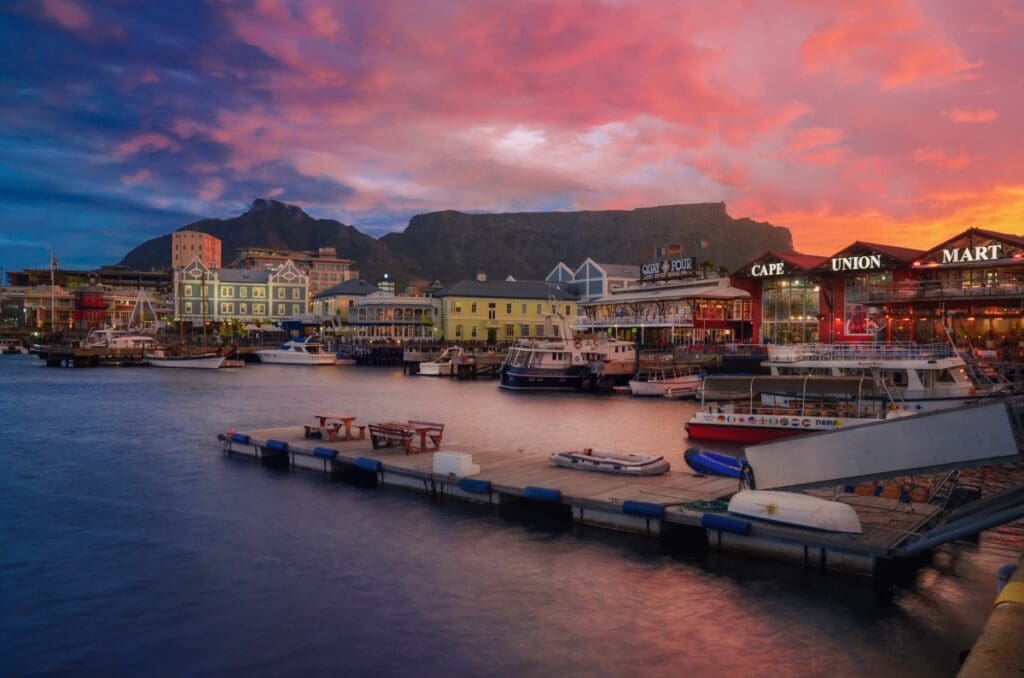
(713, 463)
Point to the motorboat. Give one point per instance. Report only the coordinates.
(11, 346)
(566, 362)
(811, 404)
(164, 358)
(664, 379)
(794, 508)
(925, 377)
(622, 463)
(119, 339)
(298, 352)
(444, 364)
(706, 462)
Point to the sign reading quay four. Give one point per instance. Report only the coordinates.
(667, 267)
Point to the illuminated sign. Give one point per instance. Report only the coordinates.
(669, 267)
(861, 263)
(765, 270)
(959, 255)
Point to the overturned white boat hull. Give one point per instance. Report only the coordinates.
(792, 508)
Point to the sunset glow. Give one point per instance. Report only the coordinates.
(890, 121)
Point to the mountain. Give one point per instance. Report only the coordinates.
(452, 245)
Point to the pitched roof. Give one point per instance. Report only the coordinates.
(243, 275)
(904, 254)
(505, 289)
(797, 259)
(356, 286)
(620, 270)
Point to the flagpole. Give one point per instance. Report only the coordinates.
(53, 291)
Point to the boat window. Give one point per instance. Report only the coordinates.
(946, 377)
(927, 377)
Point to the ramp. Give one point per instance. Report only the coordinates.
(974, 435)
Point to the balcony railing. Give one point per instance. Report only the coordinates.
(888, 351)
(583, 322)
(930, 291)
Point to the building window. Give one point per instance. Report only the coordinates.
(508, 309)
(188, 290)
(524, 330)
(522, 309)
(472, 307)
(259, 293)
(458, 331)
(188, 307)
(243, 308)
(226, 308)
(243, 292)
(295, 309)
(259, 309)
(458, 307)
(280, 309)
(295, 292)
(227, 292)
(280, 293)
(540, 309)
(540, 331)
(789, 311)
(510, 330)
(472, 332)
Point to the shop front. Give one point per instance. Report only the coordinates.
(786, 296)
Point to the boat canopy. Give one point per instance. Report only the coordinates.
(796, 385)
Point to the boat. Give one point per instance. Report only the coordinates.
(298, 352)
(567, 362)
(12, 346)
(622, 463)
(444, 364)
(165, 358)
(661, 379)
(925, 377)
(795, 405)
(119, 339)
(707, 462)
(793, 508)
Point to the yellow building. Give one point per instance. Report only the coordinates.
(500, 311)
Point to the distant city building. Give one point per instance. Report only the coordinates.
(501, 311)
(239, 294)
(324, 268)
(110, 276)
(386, 284)
(336, 301)
(187, 245)
(591, 279)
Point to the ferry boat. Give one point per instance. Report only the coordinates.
(924, 377)
(444, 364)
(298, 352)
(666, 381)
(118, 339)
(811, 404)
(165, 358)
(566, 362)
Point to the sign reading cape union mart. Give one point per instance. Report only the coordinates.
(667, 269)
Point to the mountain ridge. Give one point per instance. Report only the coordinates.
(450, 245)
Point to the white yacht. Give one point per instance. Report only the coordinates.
(567, 362)
(923, 377)
(666, 381)
(298, 352)
(119, 339)
(164, 358)
(444, 364)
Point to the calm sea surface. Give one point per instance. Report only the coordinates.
(130, 546)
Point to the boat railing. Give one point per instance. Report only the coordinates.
(867, 351)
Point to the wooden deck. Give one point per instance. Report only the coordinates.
(598, 498)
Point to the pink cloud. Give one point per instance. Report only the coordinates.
(135, 178)
(68, 14)
(962, 115)
(211, 189)
(939, 158)
(148, 143)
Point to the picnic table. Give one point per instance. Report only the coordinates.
(389, 433)
(333, 431)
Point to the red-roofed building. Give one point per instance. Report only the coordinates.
(786, 296)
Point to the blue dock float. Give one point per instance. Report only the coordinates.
(643, 508)
(475, 485)
(368, 464)
(545, 494)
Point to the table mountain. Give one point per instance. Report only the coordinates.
(452, 245)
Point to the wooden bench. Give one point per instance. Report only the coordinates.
(312, 430)
(389, 435)
(435, 434)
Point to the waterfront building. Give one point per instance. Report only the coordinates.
(323, 267)
(785, 294)
(115, 276)
(501, 311)
(239, 294)
(382, 316)
(187, 245)
(337, 301)
(591, 280)
(685, 310)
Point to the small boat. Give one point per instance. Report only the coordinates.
(712, 463)
(298, 352)
(444, 364)
(793, 508)
(623, 463)
(11, 346)
(204, 361)
(115, 339)
(659, 380)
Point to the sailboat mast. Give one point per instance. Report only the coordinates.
(53, 291)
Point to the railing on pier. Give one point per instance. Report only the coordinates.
(583, 322)
(910, 291)
(872, 351)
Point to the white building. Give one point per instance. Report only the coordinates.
(591, 279)
(239, 294)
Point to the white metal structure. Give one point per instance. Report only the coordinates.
(297, 352)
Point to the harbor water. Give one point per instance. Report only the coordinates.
(130, 546)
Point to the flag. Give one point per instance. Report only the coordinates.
(673, 249)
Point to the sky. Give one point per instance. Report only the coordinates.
(891, 121)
